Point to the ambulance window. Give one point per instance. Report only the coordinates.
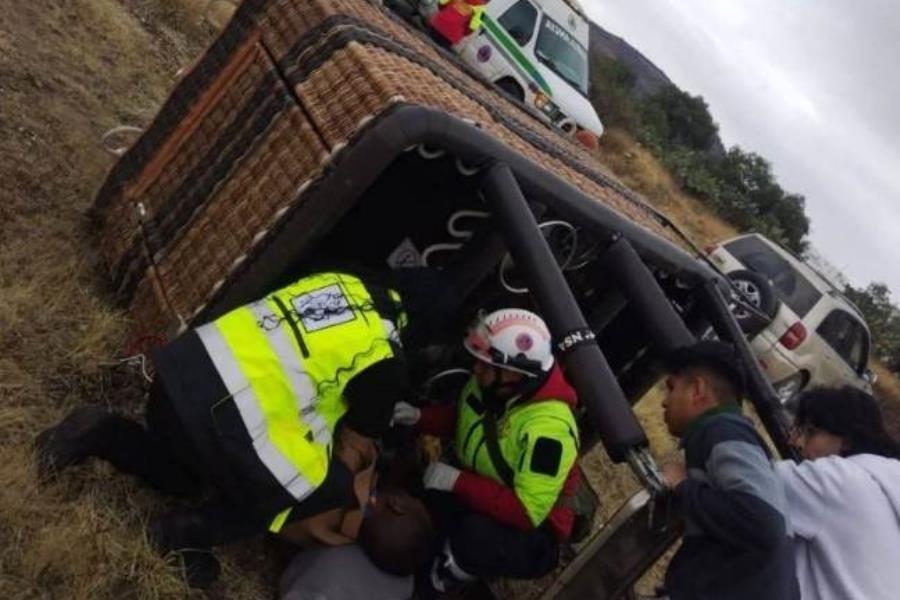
(519, 21)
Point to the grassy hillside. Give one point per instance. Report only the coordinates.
(69, 71)
(642, 172)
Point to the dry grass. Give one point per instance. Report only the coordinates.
(639, 170)
(68, 72)
(887, 388)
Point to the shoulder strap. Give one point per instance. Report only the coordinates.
(493, 448)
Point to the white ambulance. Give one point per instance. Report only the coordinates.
(537, 52)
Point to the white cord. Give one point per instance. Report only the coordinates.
(118, 150)
(429, 154)
(438, 248)
(464, 214)
(464, 169)
(506, 263)
(138, 360)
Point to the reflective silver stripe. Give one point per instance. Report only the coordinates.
(391, 331)
(251, 414)
(291, 362)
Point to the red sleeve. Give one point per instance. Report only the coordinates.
(492, 499)
(438, 419)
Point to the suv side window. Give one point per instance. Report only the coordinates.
(859, 348)
(845, 336)
(790, 285)
(519, 20)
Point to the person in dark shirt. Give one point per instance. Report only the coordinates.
(736, 543)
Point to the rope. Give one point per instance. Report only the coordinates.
(107, 137)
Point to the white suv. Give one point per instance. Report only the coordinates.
(804, 332)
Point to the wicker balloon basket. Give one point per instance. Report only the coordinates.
(265, 118)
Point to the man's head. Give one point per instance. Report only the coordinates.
(840, 422)
(397, 533)
(511, 346)
(701, 377)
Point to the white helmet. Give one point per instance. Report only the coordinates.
(513, 339)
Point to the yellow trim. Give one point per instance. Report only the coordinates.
(279, 520)
(260, 366)
(477, 18)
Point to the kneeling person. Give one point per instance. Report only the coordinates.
(503, 510)
(274, 407)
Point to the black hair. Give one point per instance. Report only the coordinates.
(851, 414)
(715, 358)
(399, 543)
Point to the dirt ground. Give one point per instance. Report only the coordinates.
(69, 71)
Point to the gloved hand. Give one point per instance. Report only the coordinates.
(405, 414)
(440, 476)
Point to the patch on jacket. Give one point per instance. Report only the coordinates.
(546, 456)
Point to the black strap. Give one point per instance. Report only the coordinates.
(493, 448)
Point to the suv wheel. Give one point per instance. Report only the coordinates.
(758, 293)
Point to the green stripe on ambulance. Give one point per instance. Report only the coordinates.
(511, 51)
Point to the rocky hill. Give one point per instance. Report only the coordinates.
(648, 78)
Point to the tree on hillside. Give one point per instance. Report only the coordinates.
(754, 200)
(791, 214)
(679, 129)
(883, 318)
(612, 92)
(679, 119)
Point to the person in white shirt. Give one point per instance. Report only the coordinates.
(844, 498)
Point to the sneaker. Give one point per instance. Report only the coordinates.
(69, 442)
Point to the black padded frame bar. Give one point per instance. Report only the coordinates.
(759, 390)
(645, 297)
(609, 412)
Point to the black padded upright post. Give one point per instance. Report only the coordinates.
(645, 297)
(608, 410)
(759, 389)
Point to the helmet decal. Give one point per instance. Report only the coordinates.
(524, 342)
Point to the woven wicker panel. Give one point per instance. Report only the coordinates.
(150, 310)
(377, 78)
(205, 148)
(249, 202)
(428, 77)
(235, 147)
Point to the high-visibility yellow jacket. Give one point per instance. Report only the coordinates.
(281, 365)
(537, 439)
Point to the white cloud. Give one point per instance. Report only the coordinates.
(810, 85)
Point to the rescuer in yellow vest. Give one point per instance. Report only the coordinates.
(504, 505)
(256, 405)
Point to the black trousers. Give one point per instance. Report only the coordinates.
(161, 455)
(484, 547)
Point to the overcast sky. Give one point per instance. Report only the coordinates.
(811, 85)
